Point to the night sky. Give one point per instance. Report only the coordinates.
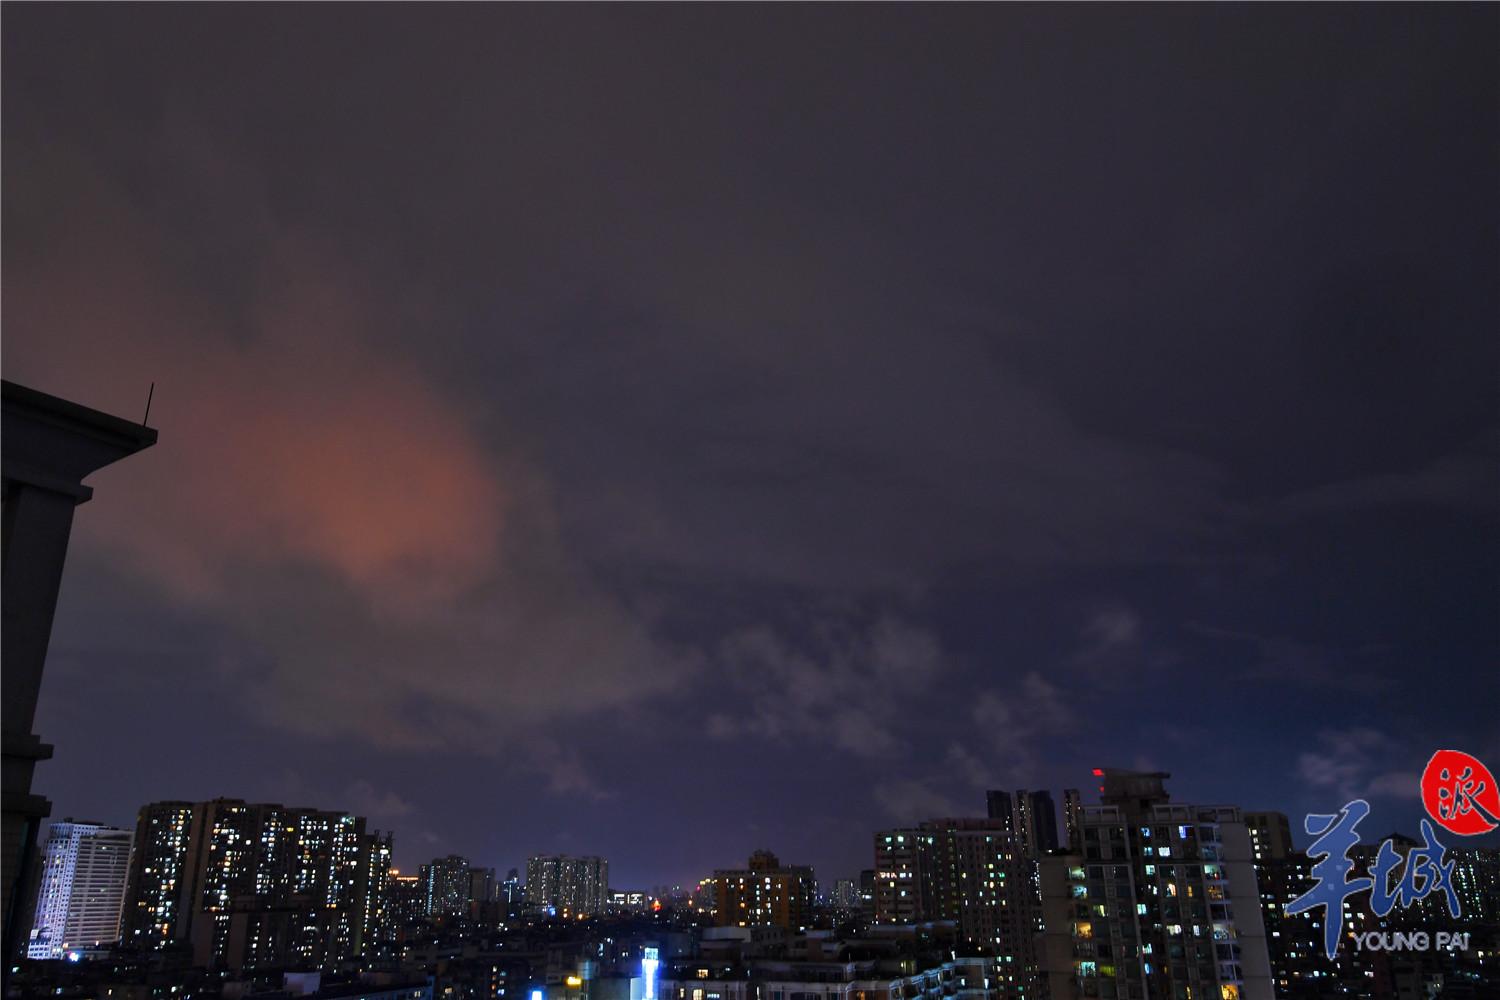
(664, 432)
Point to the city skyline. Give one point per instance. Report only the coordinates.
(1146, 892)
(662, 436)
(826, 880)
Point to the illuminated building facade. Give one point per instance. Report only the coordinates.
(629, 900)
(705, 895)
(1294, 946)
(764, 893)
(82, 889)
(251, 886)
(157, 896)
(445, 886)
(1300, 967)
(907, 963)
(1476, 880)
(972, 872)
(570, 885)
(1162, 901)
(1294, 943)
(377, 923)
(407, 900)
(902, 871)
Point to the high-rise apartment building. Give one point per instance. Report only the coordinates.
(1161, 901)
(1270, 836)
(445, 885)
(377, 934)
(256, 885)
(513, 890)
(485, 903)
(482, 886)
(904, 866)
(158, 896)
(1040, 829)
(1031, 816)
(974, 872)
(1072, 817)
(765, 892)
(1476, 881)
(867, 894)
(1300, 966)
(1294, 943)
(568, 884)
(407, 900)
(84, 869)
(704, 894)
(1000, 806)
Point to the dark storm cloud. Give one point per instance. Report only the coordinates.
(597, 401)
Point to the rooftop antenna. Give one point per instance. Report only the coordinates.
(149, 393)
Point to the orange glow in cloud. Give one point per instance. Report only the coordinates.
(285, 435)
(315, 491)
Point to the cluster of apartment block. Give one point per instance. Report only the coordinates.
(1141, 897)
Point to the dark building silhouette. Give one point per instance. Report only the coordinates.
(1031, 816)
(482, 890)
(998, 806)
(49, 446)
(1073, 817)
(1041, 827)
(513, 890)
